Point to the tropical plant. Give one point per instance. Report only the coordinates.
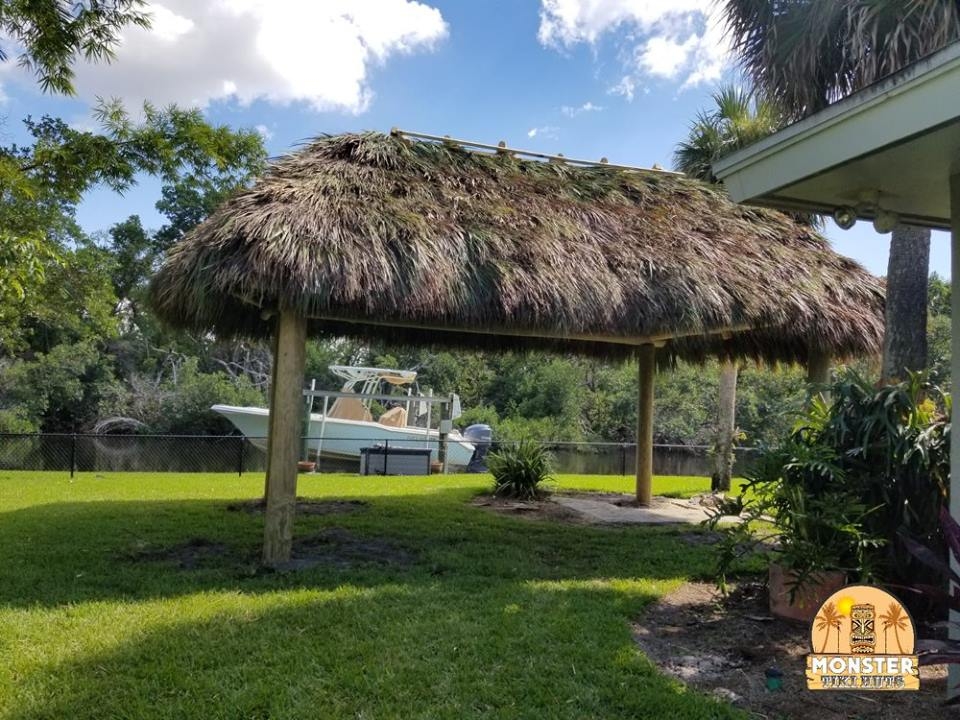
(945, 588)
(784, 521)
(736, 119)
(852, 475)
(803, 55)
(520, 470)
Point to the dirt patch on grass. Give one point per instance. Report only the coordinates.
(334, 547)
(304, 506)
(723, 646)
(340, 548)
(190, 555)
(541, 509)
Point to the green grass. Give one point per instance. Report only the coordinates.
(497, 618)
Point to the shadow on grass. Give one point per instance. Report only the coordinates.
(513, 649)
(60, 553)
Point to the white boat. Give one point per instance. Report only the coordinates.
(348, 425)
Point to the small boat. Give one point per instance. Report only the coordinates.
(347, 425)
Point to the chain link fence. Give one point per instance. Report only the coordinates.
(238, 454)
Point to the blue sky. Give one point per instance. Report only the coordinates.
(588, 78)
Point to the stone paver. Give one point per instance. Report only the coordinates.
(662, 511)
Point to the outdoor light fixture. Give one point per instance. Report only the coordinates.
(885, 221)
(845, 217)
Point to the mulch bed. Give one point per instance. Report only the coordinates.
(723, 646)
(542, 509)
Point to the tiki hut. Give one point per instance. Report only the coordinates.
(421, 240)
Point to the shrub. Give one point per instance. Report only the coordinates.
(520, 470)
(854, 473)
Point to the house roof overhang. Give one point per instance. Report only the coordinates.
(893, 145)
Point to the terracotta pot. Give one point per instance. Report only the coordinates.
(809, 597)
(306, 466)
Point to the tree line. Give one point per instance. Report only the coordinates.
(81, 351)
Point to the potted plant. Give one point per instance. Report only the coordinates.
(811, 542)
(830, 500)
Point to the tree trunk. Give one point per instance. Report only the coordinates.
(726, 426)
(818, 375)
(905, 332)
(284, 440)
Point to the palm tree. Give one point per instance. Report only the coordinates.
(828, 619)
(893, 618)
(736, 119)
(806, 54)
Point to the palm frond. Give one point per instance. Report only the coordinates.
(806, 54)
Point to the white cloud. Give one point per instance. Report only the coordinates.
(265, 132)
(281, 51)
(625, 87)
(587, 107)
(679, 40)
(548, 132)
(166, 25)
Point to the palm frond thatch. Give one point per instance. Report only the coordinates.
(376, 235)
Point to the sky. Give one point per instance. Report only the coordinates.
(620, 79)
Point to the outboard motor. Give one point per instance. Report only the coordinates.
(480, 436)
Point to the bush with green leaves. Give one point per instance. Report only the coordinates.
(520, 470)
(856, 471)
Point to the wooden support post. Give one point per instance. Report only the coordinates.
(647, 368)
(953, 680)
(284, 444)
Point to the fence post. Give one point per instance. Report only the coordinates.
(623, 459)
(73, 454)
(386, 455)
(240, 457)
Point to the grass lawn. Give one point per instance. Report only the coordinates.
(495, 617)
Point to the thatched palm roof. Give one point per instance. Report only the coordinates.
(382, 236)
